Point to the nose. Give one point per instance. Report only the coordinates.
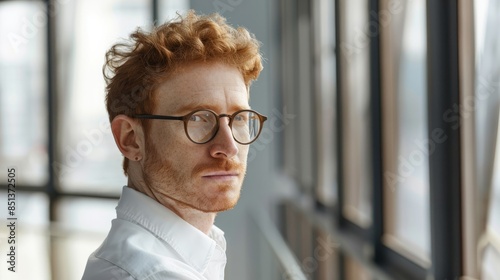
(224, 145)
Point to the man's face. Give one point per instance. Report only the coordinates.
(207, 177)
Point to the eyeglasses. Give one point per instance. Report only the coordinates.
(201, 126)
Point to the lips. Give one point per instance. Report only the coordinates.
(221, 174)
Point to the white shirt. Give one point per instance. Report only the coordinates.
(148, 241)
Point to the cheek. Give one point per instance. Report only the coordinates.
(158, 132)
(173, 145)
(168, 135)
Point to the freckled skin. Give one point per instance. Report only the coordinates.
(174, 168)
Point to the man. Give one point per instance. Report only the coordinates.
(177, 99)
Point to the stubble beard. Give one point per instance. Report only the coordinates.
(165, 181)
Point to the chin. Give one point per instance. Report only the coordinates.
(223, 201)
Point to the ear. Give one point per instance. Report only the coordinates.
(129, 137)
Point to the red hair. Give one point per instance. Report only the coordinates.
(134, 69)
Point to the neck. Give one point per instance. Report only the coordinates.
(199, 219)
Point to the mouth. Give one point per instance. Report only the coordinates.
(221, 175)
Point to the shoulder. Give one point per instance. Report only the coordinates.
(132, 252)
(101, 269)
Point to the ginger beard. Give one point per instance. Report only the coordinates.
(188, 188)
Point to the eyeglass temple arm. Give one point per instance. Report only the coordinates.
(158, 117)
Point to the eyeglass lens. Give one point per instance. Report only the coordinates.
(202, 126)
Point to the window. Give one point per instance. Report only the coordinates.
(23, 122)
(487, 102)
(86, 31)
(489, 244)
(325, 89)
(437, 214)
(63, 42)
(406, 138)
(355, 104)
(298, 94)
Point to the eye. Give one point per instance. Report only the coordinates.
(241, 117)
(201, 117)
(195, 118)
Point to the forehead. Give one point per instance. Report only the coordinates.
(203, 85)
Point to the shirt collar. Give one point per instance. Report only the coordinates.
(194, 246)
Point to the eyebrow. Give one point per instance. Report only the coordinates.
(189, 107)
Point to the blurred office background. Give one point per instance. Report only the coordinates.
(380, 158)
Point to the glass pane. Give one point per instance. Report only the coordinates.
(412, 219)
(356, 135)
(32, 240)
(408, 143)
(325, 61)
(487, 98)
(89, 160)
(490, 267)
(23, 114)
(168, 9)
(83, 225)
(490, 241)
(487, 83)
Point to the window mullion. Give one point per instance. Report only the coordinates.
(444, 166)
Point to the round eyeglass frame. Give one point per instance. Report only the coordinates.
(186, 118)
